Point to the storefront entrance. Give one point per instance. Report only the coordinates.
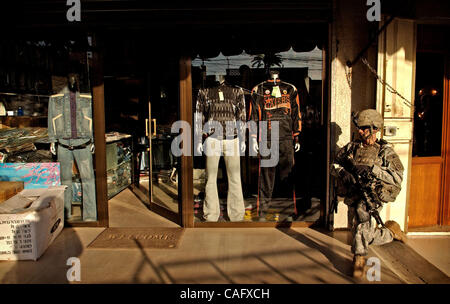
(429, 195)
(142, 101)
(139, 67)
(147, 90)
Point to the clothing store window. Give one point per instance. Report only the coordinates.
(47, 127)
(257, 136)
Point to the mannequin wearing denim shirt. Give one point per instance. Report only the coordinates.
(70, 126)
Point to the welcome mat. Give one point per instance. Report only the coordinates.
(164, 238)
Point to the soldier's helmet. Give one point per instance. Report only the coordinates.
(368, 118)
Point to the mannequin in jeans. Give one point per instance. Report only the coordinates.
(70, 127)
(222, 104)
(276, 101)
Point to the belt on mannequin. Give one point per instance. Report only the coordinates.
(82, 146)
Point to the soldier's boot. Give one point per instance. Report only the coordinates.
(397, 232)
(359, 264)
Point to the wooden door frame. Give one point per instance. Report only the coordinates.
(185, 215)
(98, 109)
(185, 178)
(445, 199)
(148, 196)
(185, 199)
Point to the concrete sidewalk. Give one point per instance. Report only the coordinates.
(215, 255)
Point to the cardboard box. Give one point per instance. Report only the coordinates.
(9, 189)
(30, 221)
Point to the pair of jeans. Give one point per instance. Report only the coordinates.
(83, 157)
(267, 177)
(214, 148)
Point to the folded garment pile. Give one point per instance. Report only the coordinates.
(18, 145)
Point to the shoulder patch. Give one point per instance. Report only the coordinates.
(395, 161)
(397, 164)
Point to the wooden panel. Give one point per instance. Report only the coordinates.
(425, 193)
(445, 219)
(9, 189)
(426, 160)
(186, 187)
(412, 268)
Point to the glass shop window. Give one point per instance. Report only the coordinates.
(428, 113)
(257, 141)
(47, 128)
(143, 106)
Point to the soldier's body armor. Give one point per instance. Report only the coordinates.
(367, 155)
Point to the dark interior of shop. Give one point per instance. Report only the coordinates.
(136, 74)
(139, 70)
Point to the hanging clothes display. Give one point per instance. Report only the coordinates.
(70, 125)
(224, 105)
(275, 100)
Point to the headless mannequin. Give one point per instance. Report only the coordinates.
(73, 85)
(221, 79)
(199, 148)
(254, 144)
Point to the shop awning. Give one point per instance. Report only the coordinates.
(259, 40)
(196, 28)
(143, 13)
(209, 41)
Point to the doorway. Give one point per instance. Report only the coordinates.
(161, 166)
(428, 204)
(141, 104)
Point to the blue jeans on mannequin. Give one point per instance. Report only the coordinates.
(214, 149)
(83, 157)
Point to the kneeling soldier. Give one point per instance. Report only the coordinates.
(369, 173)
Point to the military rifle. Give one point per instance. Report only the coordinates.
(365, 184)
(333, 209)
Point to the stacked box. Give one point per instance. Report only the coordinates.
(30, 221)
(9, 189)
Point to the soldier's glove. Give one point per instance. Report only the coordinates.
(347, 177)
(362, 170)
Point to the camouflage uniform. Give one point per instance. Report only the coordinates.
(388, 171)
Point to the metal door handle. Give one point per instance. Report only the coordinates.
(154, 126)
(146, 127)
